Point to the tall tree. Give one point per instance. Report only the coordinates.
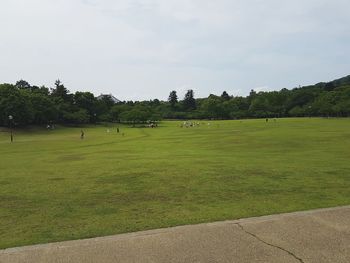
(60, 91)
(63, 101)
(22, 84)
(189, 101)
(225, 96)
(173, 99)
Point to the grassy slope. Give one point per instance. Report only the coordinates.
(53, 186)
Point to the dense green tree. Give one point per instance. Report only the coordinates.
(78, 117)
(329, 86)
(15, 102)
(298, 111)
(44, 109)
(87, 101)
(135, 116)
(173, 99)
(259, 107)
(189, 102)
(22, 84)
(213, 107)
(118, 109)
(30, 104)
(236, 108)
(225, 96)
(61, 92)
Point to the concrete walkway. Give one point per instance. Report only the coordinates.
(314, 236)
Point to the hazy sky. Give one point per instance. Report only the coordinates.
(143, 49)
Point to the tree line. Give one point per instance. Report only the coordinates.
(29, 105)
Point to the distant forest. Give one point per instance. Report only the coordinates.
(36, 105)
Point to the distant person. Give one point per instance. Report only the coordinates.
(117, 129)
(267, 120)
(82, 134)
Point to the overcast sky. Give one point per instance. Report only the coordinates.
(143, 49)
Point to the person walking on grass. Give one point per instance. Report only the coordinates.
(82, 134)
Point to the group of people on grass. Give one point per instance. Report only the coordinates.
(82, 133)
(188, 124)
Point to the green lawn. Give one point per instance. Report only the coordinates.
(54, 186)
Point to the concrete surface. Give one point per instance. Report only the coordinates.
(315, 236)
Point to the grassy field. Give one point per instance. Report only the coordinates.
(54, 186)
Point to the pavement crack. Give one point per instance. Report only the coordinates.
(269, 244)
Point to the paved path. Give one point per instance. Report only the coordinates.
(314, 236)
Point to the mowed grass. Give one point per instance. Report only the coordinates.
(54, 186)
